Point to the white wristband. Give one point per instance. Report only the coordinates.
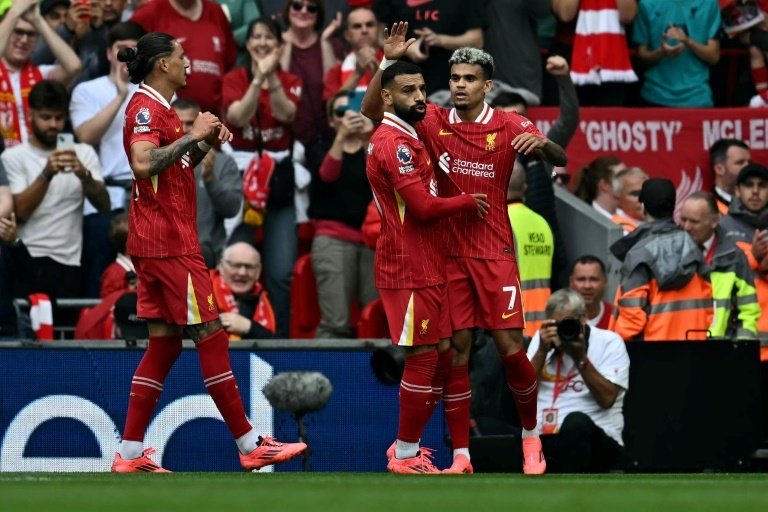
(385, 63)
(204, 146)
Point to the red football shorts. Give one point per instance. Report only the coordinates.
(177, 290)
(484, 293)
(418, 316)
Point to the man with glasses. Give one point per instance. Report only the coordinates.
(245, 308)
(19, 30)
(355, 71)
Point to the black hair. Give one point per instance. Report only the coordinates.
(400, 67)
(49, 95)
(125, 30)
(141, 59)
(118, 231)
(270, 24)
(719, 150)
(507, 99)
(587, 259)
(182, 104)
(320, 13)
(345, 21)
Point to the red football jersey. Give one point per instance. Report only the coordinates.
(275, 135)
(478, 158)
(162, 219)
(208, 43)
(409, 252)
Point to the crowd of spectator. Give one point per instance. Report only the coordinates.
(287, 78)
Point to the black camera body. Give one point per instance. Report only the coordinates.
(569, 329)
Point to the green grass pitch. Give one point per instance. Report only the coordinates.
(368, 492)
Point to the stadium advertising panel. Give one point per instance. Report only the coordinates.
(64, 409)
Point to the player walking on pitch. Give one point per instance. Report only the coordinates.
(174, 288)
(475, 147)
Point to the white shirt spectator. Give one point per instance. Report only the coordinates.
(55, 228)
(88, 99)
(608, 355)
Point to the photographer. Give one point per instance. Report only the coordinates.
(339, 196)
(583, 373)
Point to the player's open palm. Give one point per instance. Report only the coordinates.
(395, 44)
(482, 204)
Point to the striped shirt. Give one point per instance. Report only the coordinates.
(162, 220)
(476, 157)
(408, 251)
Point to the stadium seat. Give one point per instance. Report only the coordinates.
(305, 311)
(373, 321)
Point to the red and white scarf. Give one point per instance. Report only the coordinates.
(41, 316)
(600, 51)
(10, 125)
(263, 315)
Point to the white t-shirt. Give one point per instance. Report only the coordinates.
(88, 99)
(55, 228)
(608, 354)
(15, 79)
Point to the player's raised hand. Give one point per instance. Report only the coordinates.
(482, 204)
(526, 143)
(395, 44)
(219, 135)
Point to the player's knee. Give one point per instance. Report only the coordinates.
(199, 332)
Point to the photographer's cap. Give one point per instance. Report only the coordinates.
(752, 170)
(658, 196)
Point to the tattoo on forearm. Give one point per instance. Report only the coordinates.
(162, 158)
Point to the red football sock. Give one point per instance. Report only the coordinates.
(442, 371)
(521, 379)
(213, 351)
(416, 395)
(760, 78)
(457, 400)
(147, 384)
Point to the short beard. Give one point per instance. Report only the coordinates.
(42, 138)
(410, 115)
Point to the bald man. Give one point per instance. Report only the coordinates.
(245, 308)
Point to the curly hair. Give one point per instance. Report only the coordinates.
(468, 55)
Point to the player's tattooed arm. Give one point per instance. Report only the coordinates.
(162, 158)
(552, 153)
(196, 155)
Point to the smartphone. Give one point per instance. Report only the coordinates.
(355, 101)
(65, 141)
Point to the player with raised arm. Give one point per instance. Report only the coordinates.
(409, 271)
(475, 147)
(174, 288)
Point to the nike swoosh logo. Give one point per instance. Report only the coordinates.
(445, 132)
(504, 316)
(178, 129)
(451, 410)
(416, 3)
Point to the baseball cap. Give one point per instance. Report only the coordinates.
(658, 196)
(129, 326)
(750, 171)
(47, 6)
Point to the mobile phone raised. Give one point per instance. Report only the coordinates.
(65, 141)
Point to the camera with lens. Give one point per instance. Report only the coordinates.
(569, 329)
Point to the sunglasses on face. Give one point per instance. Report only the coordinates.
(21, 33)
(339, 111)
(297, 6)
(562, 177)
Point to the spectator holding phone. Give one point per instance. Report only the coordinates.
(677, 41)
(49, 185)
(339, 196)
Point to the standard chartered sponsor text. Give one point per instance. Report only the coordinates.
(476, 169)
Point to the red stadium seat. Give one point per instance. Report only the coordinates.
(305, 311)
(373, 321)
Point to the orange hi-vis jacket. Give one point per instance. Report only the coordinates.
(665, 293)
(626, 223)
